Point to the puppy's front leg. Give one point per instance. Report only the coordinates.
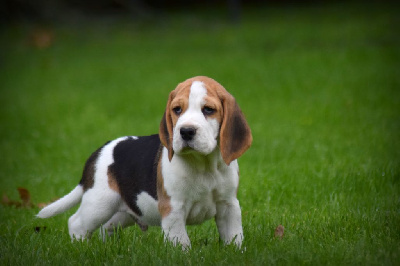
(229, 221)
(174, 229)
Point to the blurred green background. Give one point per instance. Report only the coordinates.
(319, 83)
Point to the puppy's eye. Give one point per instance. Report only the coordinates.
(177, 110)
(208, 110)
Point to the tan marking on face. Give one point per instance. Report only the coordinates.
(212, 100)
(112, 182)
(164, 201)
(181, 100)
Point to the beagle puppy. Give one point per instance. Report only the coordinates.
(186, 174)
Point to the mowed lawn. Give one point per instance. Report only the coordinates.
(319, 85)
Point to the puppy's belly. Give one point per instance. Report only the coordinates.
(198, 211)
(201, 211)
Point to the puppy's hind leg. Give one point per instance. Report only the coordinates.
(96, 209)
(119, 219)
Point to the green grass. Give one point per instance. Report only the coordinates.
(320, 87)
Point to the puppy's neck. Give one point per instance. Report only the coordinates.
(204, 163)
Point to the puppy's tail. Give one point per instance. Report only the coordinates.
(63, 204)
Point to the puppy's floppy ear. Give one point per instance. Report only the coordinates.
(166, 128)
(235, 134)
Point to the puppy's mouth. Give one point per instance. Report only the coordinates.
(188, 146)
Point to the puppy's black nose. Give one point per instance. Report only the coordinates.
(188, 133)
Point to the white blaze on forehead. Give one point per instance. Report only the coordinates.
(207, 128)
(197, 94)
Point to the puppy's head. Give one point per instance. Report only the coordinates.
(201, 114)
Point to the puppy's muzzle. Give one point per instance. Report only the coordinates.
(187, 133)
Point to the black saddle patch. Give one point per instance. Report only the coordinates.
(135, 168)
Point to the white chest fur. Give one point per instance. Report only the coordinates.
(197, 184)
